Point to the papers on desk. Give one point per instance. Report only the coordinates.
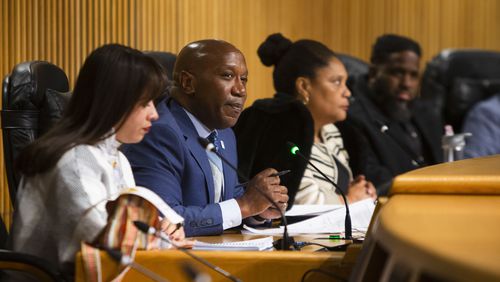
(248, 245)
(302, 210)
(330, 222)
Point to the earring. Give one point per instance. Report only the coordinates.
(306, 100)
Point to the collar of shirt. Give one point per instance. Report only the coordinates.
(202, 130)
(110, 145)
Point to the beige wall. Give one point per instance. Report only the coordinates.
(65, 31)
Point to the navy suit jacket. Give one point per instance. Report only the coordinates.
(171, 162)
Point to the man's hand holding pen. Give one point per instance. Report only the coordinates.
(254, 203)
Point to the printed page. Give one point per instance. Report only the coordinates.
(300, 210)
(334, 221)
(248, 245)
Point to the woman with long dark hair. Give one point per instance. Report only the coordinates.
(69, 173)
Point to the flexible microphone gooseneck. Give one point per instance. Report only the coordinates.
(294, 149)
(282, 244)
(128, 261)
(144, 227)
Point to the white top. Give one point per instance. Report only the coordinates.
(314, 189)
(59, 208)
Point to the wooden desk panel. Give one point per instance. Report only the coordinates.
(248, 266)
(456, 237)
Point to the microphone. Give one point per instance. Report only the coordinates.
(282, 244)
(348, 227)
(129, 261)
(144, 227)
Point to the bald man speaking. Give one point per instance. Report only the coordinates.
(206, 100)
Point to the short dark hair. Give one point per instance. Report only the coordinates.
(392, 43)
(292, 60)
(112, 81)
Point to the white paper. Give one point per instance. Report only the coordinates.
(331, 222)
(248, 245)
(334, 221)
(299, 210)
(266, 231)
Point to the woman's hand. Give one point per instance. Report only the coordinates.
(176, 233)
(361, 189)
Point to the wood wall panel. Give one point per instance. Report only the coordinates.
(64, 32)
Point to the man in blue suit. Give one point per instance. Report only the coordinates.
(206, 100)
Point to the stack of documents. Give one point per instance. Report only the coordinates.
(248, 245)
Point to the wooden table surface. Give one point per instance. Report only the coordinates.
(454, 236)
(246, 265)
(470, 176)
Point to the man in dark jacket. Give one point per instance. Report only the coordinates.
(401, 132)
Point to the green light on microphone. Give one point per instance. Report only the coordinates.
(294, 150)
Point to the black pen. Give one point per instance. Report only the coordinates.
(280, 173)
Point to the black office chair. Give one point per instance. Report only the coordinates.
(167, 61)
(356, 68)
(33, 98)
(456, 79)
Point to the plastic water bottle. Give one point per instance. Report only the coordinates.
(453, 144)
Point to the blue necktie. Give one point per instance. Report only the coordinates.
(216, 166)
(213, 138)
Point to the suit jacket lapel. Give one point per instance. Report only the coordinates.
(197, 151)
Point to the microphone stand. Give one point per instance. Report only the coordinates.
(128, 261)
(144, 227)
(348, 226)
(283, 244)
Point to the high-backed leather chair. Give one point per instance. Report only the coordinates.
(31, 103)
(167, 61)
(356, 68)
(456, 79)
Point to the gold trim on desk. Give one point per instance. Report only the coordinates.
(480, 176)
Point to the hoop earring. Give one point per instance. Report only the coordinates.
(306, 100)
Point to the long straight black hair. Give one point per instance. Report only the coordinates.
(112, 81)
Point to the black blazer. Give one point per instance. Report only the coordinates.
(386, 152)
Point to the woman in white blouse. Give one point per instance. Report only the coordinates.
(69, 173)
